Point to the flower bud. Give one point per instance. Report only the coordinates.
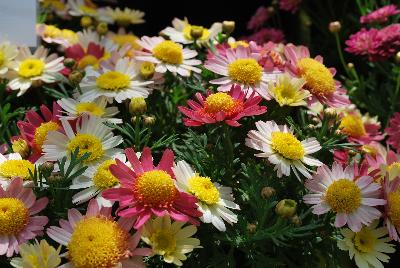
(147, 70)
(86, 21)
(20, 146)
(149, 120)
(69, 63)
(270, 10)
(296, 220)
(267, 192)
(196, 32)
(102, 28)
(137, 106)
(397, 57)
(311, 126)
(47, 167)
(75, 77)
(286, 208)
(251, 227)
(228, 26)
(334, 27)
(350, 65)
(54, 178)
(331, 112)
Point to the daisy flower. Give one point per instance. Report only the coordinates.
(91, 136)
(283, 149)
(8, 52)
(122, 38)
(181, 32)
(168, 56)
(150, 190)
(391, 190)
(59, 7)
(367, 246)
(222, 107)
(17, 221)
(35, 128)
(13, 166)
(380, 15)
(119, 82)
(98, 107)
(51, 34)
(30, 69)
(393, 132)
(214, 200)
(37, 255)
(124, 17)
(239, 67)
(94, 181)
(352, 199)
(98, 240)
(287, 91)
(79, 8)
(319, 79)
(170, 240)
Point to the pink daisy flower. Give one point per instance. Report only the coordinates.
(98, 240)
(239, 67)
(289, 5)
(35, 127)
(352, 199)
(362, 41)
(221, 107)
(17, 221)
(393, 131)
(319, 78)
(380, 15)
(391, 190)
(150, 190)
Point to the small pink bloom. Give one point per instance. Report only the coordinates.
(289, 5)
(393, 131)
(380, 15)
(267, 34)
(258, 19)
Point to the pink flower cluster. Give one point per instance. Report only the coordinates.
(289, 5)
(393, 131)
(267, 34)
(380, 15)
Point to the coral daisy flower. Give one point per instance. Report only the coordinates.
(222, 107)
(319, 79)
(367, 246)
(380, 15)
(35, 127)
(13, 166)
(283, 149)
(124, 17)
(18, 205)
(170, 240)
(391, 190)
(168, 56)
(150, 190)
(214, 200)
(98, 107)
(91, 136)
(8, 52)
(32, 68)
(393, 132)
(239, 67)
(287, 91)
(97, 240)
(120, 82)
(352, 199)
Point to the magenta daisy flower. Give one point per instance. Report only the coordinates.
(18, 205)
(380, 15)
(222, 107)
(352, 199)
(150, 190)
(319, 79)
(391, 190)
(97, 240)
(393, 131)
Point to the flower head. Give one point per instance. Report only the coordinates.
(393, 131)
(51, 34)
(37, 255)
(8, 52)
(267, 34)
(287, 91)
(380, 15)
(13, 166)
(289, 5)
(391, 189)
(124, 17)
(258, 19)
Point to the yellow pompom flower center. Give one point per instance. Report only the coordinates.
(14, 168)
(221, 102)
(203, 189)
(97, 242)
(163, 242)
(87, 143)
(364, 241)
(30, 68)
(41, 133)
(202, 32)
(113, 81)
(352, 125)
(287, 145)
(155, 188)
(238, 43)
(13, 216)
(103, 178)
(394, 208)
(123, 39)
(88, 60)
(245, 71)
(70, 36)
(169, 52)
(285, 94)
(90, 108)
(319, 80)
(343, 196)
(52, 31)
(147, 70)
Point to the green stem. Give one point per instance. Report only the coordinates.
(137, 132)
(339, 49)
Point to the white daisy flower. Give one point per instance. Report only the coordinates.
(98, 107)
(214, 200)
(124, 17)
(119, 82)
(181, 32)
(168, 55)
(283, 149)
(91, 136)
(13, 166)
(8, 52)
(79, 8)
(31, 68)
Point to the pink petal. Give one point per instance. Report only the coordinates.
(147, 159)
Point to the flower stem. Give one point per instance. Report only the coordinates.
(339, 49)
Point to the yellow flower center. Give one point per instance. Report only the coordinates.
(2, 58)
(203, 189)
(30, 68)
(14, 168)
(88, 60)
(69, 35)
(89, 107)
(169, 52)
(394, 168)
(285, 94)
(364, 241)
(394, 208)
(202, 32)
(155, 188)
(103, 178)
(287, 145)
(13, 216)
(343, 196)
(123, 39)
(319, 80)
(352, 125)
(163, 242)
(238, 43)
(222, 102)
(41, 133)
(245, 71)
(87, 143)
(147, 70)
(113, 81)
(97, 242)
(52, 31)
(20, 146)
(368, 149)
(87, 10)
